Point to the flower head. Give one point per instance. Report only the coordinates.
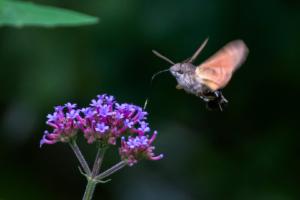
(64, 123)
(138, 148)
(106, 120)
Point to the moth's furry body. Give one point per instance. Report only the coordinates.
(207, 79)
(186, 79)
(189, 82)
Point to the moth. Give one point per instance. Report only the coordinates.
(207, 79)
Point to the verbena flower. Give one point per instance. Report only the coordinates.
(106, 120)
(138, 148)
(64, 123)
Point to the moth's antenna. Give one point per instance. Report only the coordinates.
(163, 57)
(192, 59)
(152, 78)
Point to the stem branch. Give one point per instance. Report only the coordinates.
(98, 161)
(111, 170)
(92, 182)
(80, 157)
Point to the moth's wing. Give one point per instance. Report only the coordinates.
(216, 71)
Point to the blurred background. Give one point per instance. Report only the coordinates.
(249, 151)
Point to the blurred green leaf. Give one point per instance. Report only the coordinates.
(19, 14)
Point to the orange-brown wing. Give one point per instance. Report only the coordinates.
(216, 71)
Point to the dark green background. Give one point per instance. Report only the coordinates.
(249, 151)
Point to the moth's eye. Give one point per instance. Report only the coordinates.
(180, 71)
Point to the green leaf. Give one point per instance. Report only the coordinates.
(19, 14)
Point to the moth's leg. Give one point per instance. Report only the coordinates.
(224, 99)
(220, 106)
(219, 94)
(178, 87)
(204, 98)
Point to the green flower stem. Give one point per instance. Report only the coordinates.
(92, 182)
(90, 188)
(82, 161)
(98, 161)
(111, 170)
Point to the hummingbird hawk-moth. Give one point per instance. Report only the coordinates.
(207, 79)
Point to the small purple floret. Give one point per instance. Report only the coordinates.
(101, 127)
(144, 127)
(70, 106)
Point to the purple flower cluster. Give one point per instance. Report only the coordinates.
(64, 124)
(138, 148)
(104, 121)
